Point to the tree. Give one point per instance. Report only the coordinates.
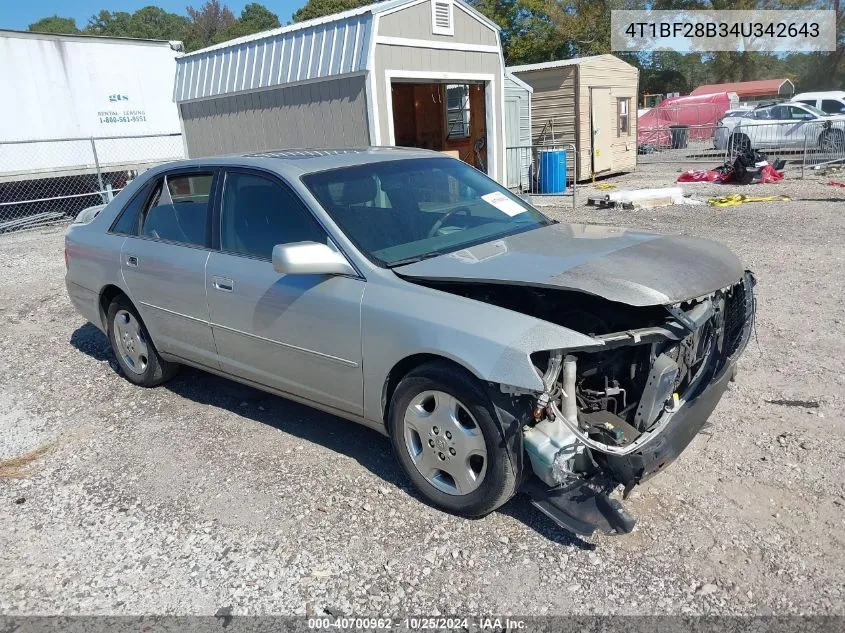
(157, 24)
(207, 24)
(319, 8)
(55, 24)
(254, 18)
(110, 24)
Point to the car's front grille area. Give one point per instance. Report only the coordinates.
(735, 316)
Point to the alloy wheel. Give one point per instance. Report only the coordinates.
(130, 341)
(445, 442)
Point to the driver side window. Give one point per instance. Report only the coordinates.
(798, 114)
(258, 213)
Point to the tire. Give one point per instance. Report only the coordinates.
(738, 143)
(138, 358)
(420, 435)
(832, 141)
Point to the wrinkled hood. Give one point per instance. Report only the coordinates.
(632, 267)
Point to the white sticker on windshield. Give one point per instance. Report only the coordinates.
(503, 203)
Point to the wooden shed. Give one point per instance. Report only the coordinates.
(590, 102)
(416, 73)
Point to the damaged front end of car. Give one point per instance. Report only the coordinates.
(621, 413)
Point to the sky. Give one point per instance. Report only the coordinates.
(19, 15)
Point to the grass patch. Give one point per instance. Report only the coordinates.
(20, 466)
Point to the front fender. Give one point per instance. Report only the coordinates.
(493, 343)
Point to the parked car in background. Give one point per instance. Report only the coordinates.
(782, 125)
(409, 292)
(831, 102)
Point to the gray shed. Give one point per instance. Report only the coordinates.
(413, 73)
(517, 130)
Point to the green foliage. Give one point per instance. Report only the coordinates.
(254, 19)
(319, 8)
(155, 23)
(208, 24)
(55, 24)
(212, 23)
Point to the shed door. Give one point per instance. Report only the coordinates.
(513, 106)
(601, 122)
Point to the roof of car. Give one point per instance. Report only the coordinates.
(295, 162)
(823, 94)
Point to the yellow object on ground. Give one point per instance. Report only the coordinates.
(739, 198)
(604, 186)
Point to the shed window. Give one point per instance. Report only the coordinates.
(457, 111)
(622, 106)
(442, 17)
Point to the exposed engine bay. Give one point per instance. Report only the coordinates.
(614, 414)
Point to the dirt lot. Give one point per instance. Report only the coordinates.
(205, 494)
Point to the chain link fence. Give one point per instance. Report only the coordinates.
(682, 144)
(810, 145)
(51, 181)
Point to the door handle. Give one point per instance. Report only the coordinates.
(223, 284)
(131, 260)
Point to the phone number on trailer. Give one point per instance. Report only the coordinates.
(691, 30)
(137, 118)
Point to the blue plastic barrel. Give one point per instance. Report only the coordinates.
(552, 170)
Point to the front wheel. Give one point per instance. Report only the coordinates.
(832, 141)
(137, 356)
(445, 436)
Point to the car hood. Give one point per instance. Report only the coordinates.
(632, 267)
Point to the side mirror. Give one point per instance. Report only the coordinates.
(809, 117)
(309, 258)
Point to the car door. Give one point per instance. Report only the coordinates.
(163, 264)
(300, 334)
(798, 122)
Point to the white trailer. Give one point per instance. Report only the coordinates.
(61, 91)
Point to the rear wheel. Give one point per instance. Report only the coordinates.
(739, 143)
(445, 436)
(137, 356)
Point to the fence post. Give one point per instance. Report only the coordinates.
(97, 166)
(804, 157)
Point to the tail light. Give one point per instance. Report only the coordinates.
(66, 263)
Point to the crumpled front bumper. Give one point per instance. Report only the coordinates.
(690, 418)
(585, 508)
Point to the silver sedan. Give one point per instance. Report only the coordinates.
(404, 290)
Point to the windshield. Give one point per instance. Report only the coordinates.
(401, 211)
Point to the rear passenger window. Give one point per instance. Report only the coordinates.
(178, 209)
(129, 219)
(832, 106)
(259, 213)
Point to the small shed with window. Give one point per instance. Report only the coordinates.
(588, 102)
(415, 73)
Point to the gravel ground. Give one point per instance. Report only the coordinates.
(205, 494)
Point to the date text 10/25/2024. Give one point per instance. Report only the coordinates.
(419, 623)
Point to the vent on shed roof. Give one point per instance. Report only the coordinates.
(441, 17)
